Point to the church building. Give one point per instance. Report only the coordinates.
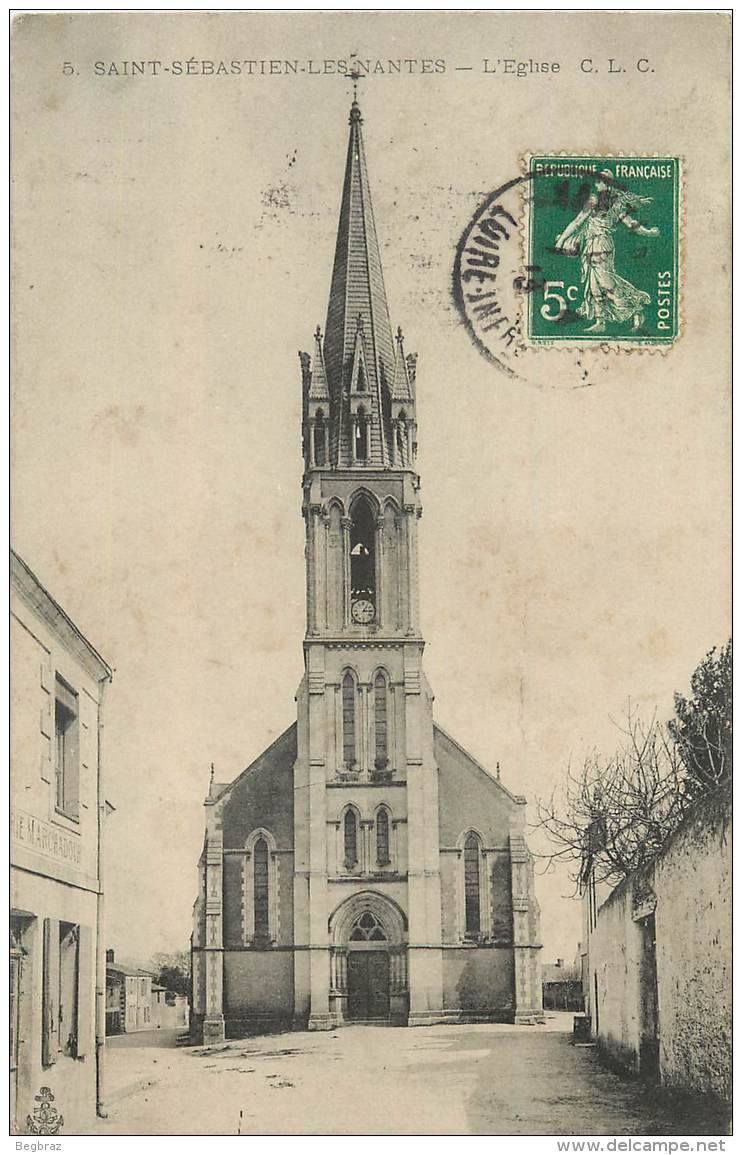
(364, 867)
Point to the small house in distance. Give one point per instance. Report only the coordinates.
(136, 1002)
(169, 1010)
(128, 998)
(562, 985)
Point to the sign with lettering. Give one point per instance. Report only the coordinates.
(43, 838)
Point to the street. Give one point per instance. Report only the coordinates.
(471, 1079)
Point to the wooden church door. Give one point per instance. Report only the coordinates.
(368, 984)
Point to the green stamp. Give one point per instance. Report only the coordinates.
(602, 249)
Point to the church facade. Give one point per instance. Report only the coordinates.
(364, 867)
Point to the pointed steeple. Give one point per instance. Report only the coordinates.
(318, 380)
(357, 291)
(402, 386)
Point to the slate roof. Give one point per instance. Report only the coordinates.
(128, 970)
(358, 301)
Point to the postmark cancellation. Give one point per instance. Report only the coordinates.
(602, 249)
(575, 251)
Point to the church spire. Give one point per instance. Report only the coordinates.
(358, 305)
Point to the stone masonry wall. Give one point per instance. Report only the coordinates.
(694, 946)
(688, 889)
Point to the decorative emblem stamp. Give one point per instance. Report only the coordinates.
(602, 249)
(46, 1119)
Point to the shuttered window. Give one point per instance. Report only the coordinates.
(50, 994)
(66, 749)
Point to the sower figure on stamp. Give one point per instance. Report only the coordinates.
(607, 297)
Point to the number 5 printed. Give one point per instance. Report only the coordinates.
(551, 294)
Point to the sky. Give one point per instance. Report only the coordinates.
(173, 243)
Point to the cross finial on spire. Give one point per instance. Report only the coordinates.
(355, 111)
(211, 777)
(318, 334)
(400, 335)
(498, 771)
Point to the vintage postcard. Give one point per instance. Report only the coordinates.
(370, 574)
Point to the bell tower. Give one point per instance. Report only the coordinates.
(365, 727)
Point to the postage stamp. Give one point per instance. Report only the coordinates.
(602, 249)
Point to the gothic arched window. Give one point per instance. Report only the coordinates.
(319, 438)
(382, 837)
(362, 550)
(367, 928)
(402, 438)
(472, 919)
(350, 838)
(380, 722)
(261, 889)
(361, 437)
(349, 720)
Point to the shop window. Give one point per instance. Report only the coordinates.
(67, 991)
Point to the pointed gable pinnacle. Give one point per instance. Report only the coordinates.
(401, 386)
(318, 382)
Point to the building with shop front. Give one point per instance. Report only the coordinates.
(58, 813)
(364, 866)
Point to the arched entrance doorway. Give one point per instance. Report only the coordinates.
(368, 970)
(368, 973)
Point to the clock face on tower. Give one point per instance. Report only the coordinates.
(362, 611)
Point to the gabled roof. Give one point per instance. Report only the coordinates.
(439, 732)
(127, 969)
(216, 797)
(39, 599)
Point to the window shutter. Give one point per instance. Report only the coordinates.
(85, 992)
(72, 771)
(50, 994)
